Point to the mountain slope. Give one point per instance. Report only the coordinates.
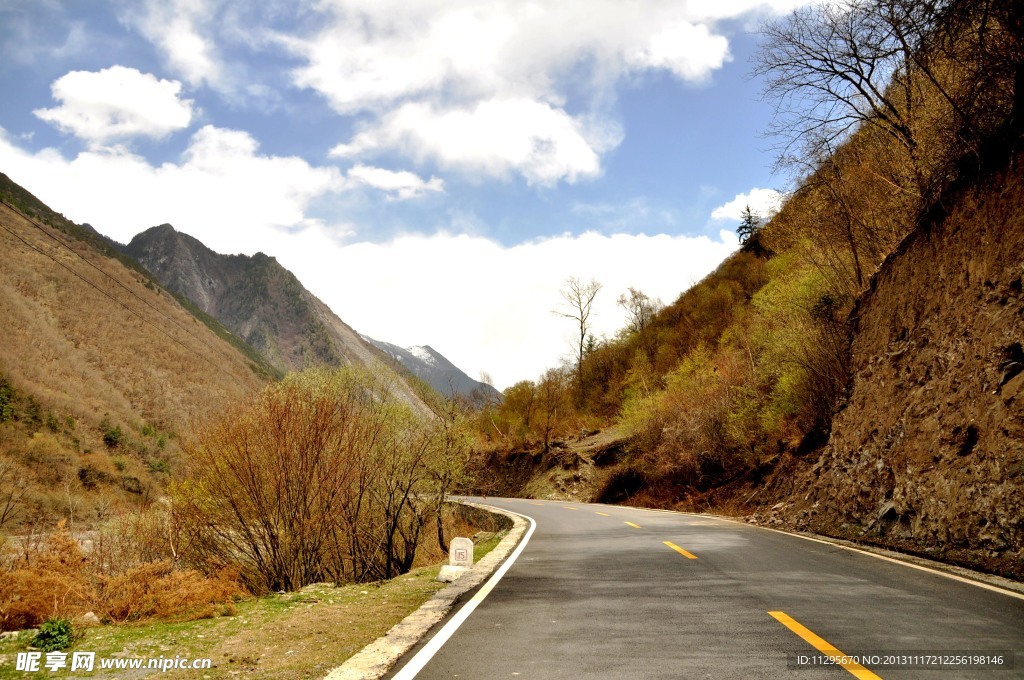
(259, 300)
(927, 453)
(100, 369)
(254, 296)
(441, 374)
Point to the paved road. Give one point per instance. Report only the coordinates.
(597, 593)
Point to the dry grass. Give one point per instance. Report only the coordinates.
(45, 581)
(79, 361)
(294, 635)
(51, 577)
(158, 589)
(82, 352)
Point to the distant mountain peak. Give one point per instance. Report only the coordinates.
(429, 365)
(424, 353)
(255, 297)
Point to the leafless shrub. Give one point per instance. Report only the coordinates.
(324, 476)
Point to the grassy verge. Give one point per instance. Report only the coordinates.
(294, 635)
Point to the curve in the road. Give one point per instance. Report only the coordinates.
(605, 592)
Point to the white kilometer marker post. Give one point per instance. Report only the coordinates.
(423, 656)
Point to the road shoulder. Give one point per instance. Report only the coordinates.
(377, 658)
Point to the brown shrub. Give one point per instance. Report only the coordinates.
(120, 579)
(133, 538)
(158, 589)
(48, 579)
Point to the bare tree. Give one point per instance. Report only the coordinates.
(935, 73)
(551, 393)
(12, 492)
(579, 297)
(640, 308)
(324, 475)
(831, 68)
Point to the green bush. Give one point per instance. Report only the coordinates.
(113, 436)
(53, 635)
(6, 397)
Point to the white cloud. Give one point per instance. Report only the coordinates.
(484, 87)
(690, 51)
(730, 9)
(542, 143)
(434, 65)
(488, 307)
(222, 189)
(368, 55)
(764, 202)
(180, 28)
(484, 305)
(117, 103)
(401, 185)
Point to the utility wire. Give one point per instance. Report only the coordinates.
(108, 295)
(92, 264)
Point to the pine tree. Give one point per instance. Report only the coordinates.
(750, 223)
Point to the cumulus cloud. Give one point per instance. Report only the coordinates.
(181, 30)
(690, 51)
(222, 187)
(488, 307)
(717, 9)
(401, 184)
(117, 103)
(485, 305)
(370, 54)
(483, 88)
(764, 202)
(542, 143)
(440, 64)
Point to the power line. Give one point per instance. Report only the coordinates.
(111, 297)
(92, 264)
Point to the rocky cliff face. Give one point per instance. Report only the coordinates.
(255, 297)
(928, 452)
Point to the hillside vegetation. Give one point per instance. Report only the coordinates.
(852, 368)
(100, 371)
(149, 467)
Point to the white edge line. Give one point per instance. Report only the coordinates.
(428, 651)
(905, 563)
(912, 565)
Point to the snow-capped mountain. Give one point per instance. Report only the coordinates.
(431, 366)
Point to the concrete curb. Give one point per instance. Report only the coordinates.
(377, 658)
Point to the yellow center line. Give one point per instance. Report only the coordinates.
(635, 526)
(536, 504)
(568, 508)
(824, 647)
(603, 514)
(685, 553)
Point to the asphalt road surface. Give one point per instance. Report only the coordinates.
(613, 592)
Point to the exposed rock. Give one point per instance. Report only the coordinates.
(260, 301)
(88, 619)
(928, 452)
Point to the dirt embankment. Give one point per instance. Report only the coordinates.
(927, 454)
(575, 469)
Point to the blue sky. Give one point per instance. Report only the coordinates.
(433, 170)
